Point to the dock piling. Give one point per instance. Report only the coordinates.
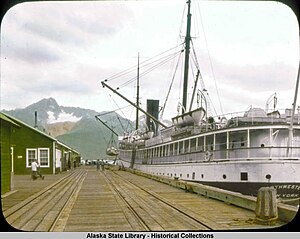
(266, 205)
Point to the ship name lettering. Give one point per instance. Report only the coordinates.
(289, 195)
(287, 186)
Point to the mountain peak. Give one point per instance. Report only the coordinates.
(44, 104)
(74, 126)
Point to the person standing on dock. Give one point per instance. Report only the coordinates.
(102, 165)
(98, 165)
(35, 172)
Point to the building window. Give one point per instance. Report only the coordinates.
(44, 157)
(31, 154)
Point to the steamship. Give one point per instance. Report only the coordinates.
(260, 147)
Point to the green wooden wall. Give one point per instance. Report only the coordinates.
(25, 138)
(5, 157)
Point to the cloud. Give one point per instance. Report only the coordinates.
(71, 23)
(266, 77)
(48, 32)
(31, 53)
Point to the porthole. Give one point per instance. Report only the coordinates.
(202, 175)
(268, 176)
(262, 145)
(187, 175)
(224, 176)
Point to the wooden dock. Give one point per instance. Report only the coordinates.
(89, 200)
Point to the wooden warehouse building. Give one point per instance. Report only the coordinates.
(21, 143)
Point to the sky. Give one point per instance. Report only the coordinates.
(247, 51)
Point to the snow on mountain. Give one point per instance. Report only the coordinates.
(75, 126)
(62, 117)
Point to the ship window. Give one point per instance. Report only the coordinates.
(193, 145)
(242, 142)
(244, 176)
(202, 175)
(268, 176)
(193, 175)
(181, 175)
(181, 147)
(187, 175)
(176, 148)
(262, 145)
(186, 146)
(224, 176)
(200, 144)
(232, 144)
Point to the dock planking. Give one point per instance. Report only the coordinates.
(122, 201)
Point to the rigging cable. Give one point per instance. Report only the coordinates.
(151, 68)
(133, 68)
(210, 61)
(119, 108)
(112, 111)
(172, 81)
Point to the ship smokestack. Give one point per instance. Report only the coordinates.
(152, 109)
(35, 120)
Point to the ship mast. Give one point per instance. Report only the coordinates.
(187, 54)
(137, 94)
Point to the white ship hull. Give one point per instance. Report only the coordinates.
(240, 159)
(240, 176)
